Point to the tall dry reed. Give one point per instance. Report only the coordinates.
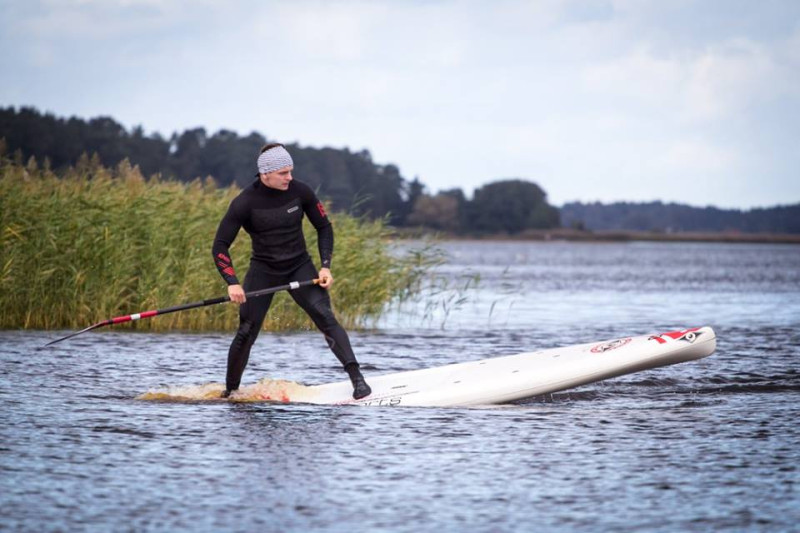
(97, 243)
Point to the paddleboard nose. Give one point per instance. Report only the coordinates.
(710, 339)
(703, 341)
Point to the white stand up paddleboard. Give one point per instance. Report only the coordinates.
(516, 377)
(488, 381)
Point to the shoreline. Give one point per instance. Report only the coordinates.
(572, 235)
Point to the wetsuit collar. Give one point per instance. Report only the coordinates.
(259, 186)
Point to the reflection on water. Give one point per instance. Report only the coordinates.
(580, 284)
(700, 446)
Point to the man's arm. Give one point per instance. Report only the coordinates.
(226, 233)
(316, 213)
(325, 245)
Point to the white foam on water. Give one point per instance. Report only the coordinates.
(275, 390)
(265, 390)
(185, 393)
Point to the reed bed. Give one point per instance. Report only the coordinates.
(96, 243)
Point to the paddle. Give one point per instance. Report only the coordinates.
(147, 314)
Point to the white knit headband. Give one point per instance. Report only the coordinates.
(274, 159)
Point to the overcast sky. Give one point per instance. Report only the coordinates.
(690, 101)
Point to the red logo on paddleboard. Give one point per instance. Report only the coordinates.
(611, 345)
(688, 334)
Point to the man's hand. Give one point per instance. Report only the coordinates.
(325, 278)
(236, 294)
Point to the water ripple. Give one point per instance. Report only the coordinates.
(708, 445)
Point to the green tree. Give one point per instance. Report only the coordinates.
(511, 206)
(440, 212)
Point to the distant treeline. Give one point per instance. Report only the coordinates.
(677, 218)
(350, 181)
(353, 182)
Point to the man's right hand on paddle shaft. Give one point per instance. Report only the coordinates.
(236, 294)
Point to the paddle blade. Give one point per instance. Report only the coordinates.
(75, 334)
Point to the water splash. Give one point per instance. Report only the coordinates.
(265, 390)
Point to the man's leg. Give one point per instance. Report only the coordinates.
(251, 318)
(317, 304)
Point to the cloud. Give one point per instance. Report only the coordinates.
(714, 83)
(93, 20)
(734, 76)
(591, 99)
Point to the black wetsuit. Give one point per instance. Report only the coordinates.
(273, 218)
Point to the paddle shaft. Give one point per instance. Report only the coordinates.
(155, 312)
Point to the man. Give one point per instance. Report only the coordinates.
(271, 211)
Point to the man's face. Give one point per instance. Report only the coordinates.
(278, 179)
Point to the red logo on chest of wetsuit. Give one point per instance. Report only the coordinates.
(321, 209)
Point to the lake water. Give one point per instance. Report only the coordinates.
(708, 445)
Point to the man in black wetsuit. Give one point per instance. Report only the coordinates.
(271, 211)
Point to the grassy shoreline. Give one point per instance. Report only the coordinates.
(98, 243)
(571, 235)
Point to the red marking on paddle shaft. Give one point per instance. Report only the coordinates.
(128, 318)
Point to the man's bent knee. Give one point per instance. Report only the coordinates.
(323, 316)
(246, 333)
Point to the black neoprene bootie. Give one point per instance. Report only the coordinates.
(360, 387)
(225, 393)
